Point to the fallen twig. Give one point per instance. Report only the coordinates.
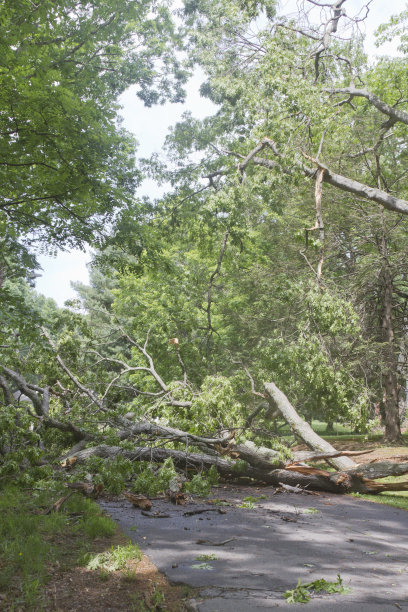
(296, 489)
(192, 512)
(57, 506)
(215, 543)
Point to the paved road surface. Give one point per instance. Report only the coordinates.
(274, 544)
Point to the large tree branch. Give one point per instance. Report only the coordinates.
(343, 183)
(162, 431)
(303, 429)
(337, 482)
(24, 388)
(391, 111)
(8, 396)
(41, 405)
(373, 194)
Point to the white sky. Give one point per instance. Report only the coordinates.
(150, 126)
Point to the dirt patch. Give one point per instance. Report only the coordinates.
(140, 587)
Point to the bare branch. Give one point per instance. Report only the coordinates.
(41, 406)
(343, 183)
(391, 111)
(24, 388)
(92, 396)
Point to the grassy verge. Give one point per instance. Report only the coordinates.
(68, 560)
(398, 499)
(30, 542)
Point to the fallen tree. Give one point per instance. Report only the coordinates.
(141, 439)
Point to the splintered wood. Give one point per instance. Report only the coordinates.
(138, 501)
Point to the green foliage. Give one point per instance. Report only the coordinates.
(202, 566)
(226, 266)
(150, 482)
(217, 405)
(67, 163)
(114, 559)
(113, 473)
(303, 592)
(198, 485)
(250, 501)
(210, 557)
(315, 355)
(19, 446)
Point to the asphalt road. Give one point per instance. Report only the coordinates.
(283, 538)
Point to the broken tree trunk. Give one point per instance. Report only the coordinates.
(351, 481)
(303, 429)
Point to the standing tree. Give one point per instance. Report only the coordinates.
(65, 163)
(341, 133)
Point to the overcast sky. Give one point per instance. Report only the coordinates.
(150, 126)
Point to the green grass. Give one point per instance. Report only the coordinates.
(99, 526)
(342, 432)
(30, 541)
(396, 499)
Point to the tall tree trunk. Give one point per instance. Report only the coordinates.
(392, 419)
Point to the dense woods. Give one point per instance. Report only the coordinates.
(267, 286)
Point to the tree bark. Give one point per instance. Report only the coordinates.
(392, 419)
(393, 112)
(303, 429)
(343, 183)
(318, 480)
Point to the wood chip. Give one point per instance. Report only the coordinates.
(139, 501)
